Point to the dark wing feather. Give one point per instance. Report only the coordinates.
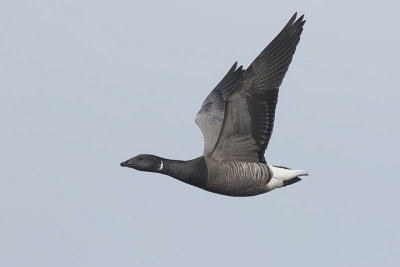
(211, 114)
(250, 108)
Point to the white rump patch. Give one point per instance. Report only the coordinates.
(285, 174)
(280, 174)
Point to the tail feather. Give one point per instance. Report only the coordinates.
(291, 181)
(283, 176)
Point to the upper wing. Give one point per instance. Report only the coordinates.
(211, 114)
(250, 108)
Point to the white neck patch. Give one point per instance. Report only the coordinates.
(161, 166)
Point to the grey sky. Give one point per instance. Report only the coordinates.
(87, 84)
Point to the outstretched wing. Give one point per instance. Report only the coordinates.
(211, 114)
(250, 108)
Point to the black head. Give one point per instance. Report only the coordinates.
(149, 163)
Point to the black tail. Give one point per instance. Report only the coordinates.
(291, 181)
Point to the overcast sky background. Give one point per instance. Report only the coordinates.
(85, 85)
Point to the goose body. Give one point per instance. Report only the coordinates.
(236, 120)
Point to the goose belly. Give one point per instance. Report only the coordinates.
(237, 178)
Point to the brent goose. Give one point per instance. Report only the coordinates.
(236, 120)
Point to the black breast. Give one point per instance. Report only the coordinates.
(197, 172)
(192, 172)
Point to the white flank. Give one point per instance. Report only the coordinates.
(161, 166)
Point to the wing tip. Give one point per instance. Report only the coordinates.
(295, 23)
(235, 69)
(292, 20)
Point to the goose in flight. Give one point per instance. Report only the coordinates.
(236, 120)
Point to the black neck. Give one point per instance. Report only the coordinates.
(193, 172)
